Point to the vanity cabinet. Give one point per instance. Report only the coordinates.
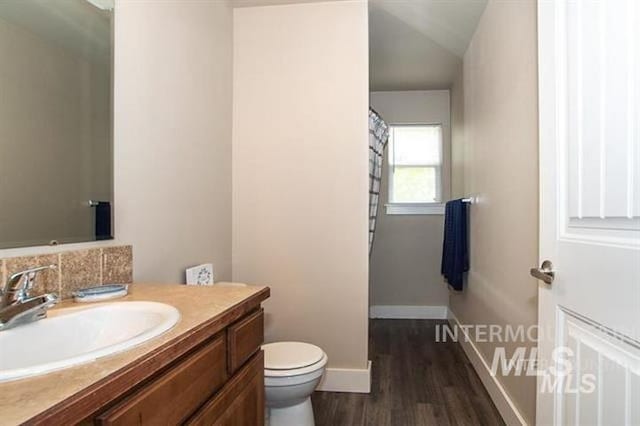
(210, 374)
(174, 395)
(220, 382)
(208, 369)
(242, 338)
(241, 401)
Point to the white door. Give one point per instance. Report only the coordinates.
(589, 316)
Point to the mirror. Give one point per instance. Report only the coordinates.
(56, 153)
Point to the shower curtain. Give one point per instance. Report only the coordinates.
(378, 136)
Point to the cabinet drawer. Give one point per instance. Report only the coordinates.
(244, 339)
(176, 395)
(240, 402)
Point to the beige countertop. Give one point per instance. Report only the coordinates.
(21, 400)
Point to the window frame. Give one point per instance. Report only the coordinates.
(417, 208)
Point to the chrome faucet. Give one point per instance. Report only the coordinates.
(17, 306)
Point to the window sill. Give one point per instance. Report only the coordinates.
(415, 208)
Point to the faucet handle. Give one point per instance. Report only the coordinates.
(21, 282)
(28, 280)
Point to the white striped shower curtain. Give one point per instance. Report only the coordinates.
(378, 136)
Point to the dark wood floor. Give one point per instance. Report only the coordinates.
(415, 381)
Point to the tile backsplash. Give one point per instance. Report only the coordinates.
(76, 269)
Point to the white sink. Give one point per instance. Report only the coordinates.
(78, 335)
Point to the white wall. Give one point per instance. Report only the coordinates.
(300, 171)
(172, 137)
(501, 170)
(405, 260)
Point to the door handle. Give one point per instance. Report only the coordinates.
(544, 273)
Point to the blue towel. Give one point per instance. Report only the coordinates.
(455, 250)
(103, 221)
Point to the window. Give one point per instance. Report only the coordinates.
(415, 169)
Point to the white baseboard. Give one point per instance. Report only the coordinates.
(509, 412)
(346, 380)
(408, 312)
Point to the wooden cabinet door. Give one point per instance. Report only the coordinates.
(244, 339)
(240, 402)
(175, 395)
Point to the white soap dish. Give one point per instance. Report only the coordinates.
(101, 293)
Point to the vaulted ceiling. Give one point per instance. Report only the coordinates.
(419, 44)
(413, 44)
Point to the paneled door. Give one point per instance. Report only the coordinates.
(589, 287)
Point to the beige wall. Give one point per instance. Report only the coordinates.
(300, 171)
(501, 169)
(405, 260)
(173, 73)
(54, 132)
(457, 136)
(172, 136)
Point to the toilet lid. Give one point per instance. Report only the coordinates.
(290, 355)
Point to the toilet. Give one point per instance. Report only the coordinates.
(292, 370)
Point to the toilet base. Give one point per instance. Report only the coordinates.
(300, 414)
